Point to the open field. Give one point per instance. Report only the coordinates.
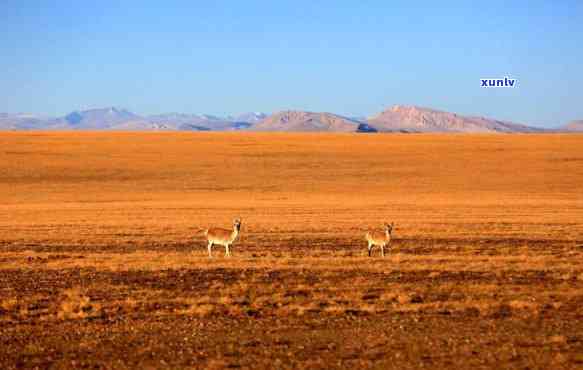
(103, 262)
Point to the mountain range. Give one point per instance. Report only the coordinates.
(398, 118)
(113, 118)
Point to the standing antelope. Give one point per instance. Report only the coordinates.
(379, 238)
(224, 237)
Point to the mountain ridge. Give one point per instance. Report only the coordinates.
(420, 119)
(397, 118)
(304, 121)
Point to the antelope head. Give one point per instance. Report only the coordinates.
(237, 224)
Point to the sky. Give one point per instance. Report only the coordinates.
(353, 58)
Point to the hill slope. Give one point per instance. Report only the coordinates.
(301, 121)
(418, 119)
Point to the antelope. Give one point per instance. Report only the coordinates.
(379, 238)
(224, 237)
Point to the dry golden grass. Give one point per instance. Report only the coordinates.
(100, 237)
(144, 190)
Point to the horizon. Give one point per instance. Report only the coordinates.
(235, 115)
(350, 60)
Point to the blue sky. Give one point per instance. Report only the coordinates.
(347, 57)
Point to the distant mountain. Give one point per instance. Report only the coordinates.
(190, 122)
(25, 121)
(113, 118)
(101, 119)
(574, 126)
(179, 121)
(301, 121)
(417, 119)
(362, 119)
(250, 117)
(395, 119)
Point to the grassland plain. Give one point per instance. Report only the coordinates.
(102, 262)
